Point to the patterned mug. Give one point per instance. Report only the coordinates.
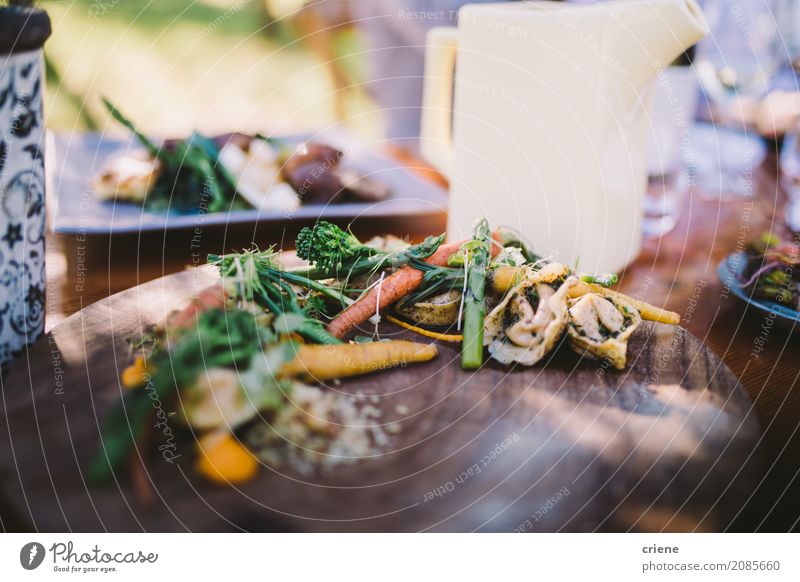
(22, 204)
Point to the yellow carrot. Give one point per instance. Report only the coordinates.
(326, 362)
(223, 459)
(444, 337)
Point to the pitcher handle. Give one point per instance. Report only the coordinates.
(436, 139)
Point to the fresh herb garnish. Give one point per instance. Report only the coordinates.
(253, 276)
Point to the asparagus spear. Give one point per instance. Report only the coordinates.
(477, 252)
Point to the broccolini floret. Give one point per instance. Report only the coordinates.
(335, 253)
(330, 248)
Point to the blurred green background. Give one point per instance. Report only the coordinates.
(217, 65)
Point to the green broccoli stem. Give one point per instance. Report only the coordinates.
(309, 272)
(370, 264)
(395, 260)
(359, 267)
(308, 283)
(474, 305)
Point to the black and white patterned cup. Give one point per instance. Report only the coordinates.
(22, 204)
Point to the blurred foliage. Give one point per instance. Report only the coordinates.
(217, 65)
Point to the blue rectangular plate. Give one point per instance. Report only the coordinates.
(73, 158)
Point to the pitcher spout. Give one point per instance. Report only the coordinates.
(649, 36)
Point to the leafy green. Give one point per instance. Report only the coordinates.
(219, 338)
(191, 179)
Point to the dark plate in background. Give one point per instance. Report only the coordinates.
(729, 270)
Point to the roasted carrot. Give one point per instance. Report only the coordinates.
(339, 361)
(394, 287)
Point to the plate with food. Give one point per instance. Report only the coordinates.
(103, 185)
(765, 275)
(377, 386)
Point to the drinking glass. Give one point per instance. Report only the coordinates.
(672, 113)
(790, 152)
(734, 64)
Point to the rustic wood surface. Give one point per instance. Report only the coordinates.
(676, 271)
(571, 445)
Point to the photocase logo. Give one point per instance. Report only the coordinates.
(31, 555)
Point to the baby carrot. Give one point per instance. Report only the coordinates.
(318, 362)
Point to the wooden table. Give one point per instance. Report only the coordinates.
(677, 271)
(765, 356)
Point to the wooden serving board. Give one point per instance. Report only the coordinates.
(568, 445)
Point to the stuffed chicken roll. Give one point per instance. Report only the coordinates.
(526, 325)
(601, 327)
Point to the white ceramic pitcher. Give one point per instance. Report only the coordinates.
(547, 131)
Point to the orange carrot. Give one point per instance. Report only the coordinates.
(392, 289)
